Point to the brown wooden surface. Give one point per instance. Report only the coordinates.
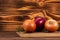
(38, 34)
(29, 38)
(14, 36)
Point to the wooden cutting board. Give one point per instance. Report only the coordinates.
(38, 34)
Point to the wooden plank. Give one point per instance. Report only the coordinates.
(17, 38)
(29, 9)
(39, 34)
(9, 27)
(8, 34)
(52, 1)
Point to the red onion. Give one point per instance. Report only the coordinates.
(40, 21)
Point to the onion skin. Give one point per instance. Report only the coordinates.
(29, 26)
(51, 25)
(40, 21)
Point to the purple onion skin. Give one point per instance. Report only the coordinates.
(39, 21)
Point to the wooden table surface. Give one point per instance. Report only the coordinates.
(14, 36)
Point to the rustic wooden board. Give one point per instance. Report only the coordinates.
(38, 34)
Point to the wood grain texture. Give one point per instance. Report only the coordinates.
(38, 34)
(8, 34)
(14, 36)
